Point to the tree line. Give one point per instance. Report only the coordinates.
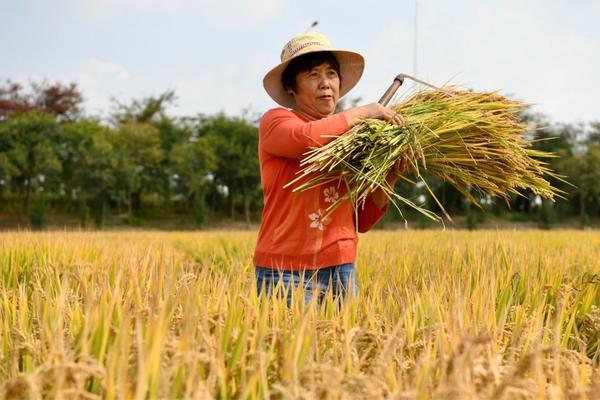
(140, 163)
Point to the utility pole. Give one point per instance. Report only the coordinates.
(416, 36)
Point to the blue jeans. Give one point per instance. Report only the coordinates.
(340, 279)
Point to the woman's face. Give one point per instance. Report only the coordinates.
(317, 91)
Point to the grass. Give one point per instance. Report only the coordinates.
(441, 314)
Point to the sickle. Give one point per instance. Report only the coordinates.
(398, 81)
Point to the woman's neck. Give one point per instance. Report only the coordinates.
(310, 117)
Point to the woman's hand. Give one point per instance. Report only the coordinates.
(379, 196)
(399, 168)
(373, 110)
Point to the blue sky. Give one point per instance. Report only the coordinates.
(215, 53)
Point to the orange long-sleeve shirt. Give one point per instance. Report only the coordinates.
(293, 235)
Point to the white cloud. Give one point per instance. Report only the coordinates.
(526, 48)
(218, 12)
(389, 54)
(515, 46)
(229, 87)
(99, 80)
(99, 68)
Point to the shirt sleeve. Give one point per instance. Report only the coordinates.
(284, 134)
(370, 215)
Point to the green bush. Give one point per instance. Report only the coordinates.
(584, 220)
(98, 212)
(547, 215)
(200, 212)
(136, 221)
(37, 213)
(83, 213)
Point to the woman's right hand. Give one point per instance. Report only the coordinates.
(373, 110)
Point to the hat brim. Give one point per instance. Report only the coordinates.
(352, 66)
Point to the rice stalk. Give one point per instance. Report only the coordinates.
(474, 141)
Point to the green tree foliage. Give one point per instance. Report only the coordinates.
(139, 156)
(583, 171)
(144, 162)
(89, 165)
(171, 133)
(150, 109)
(192, 162)
(29, 160)
(235, 142)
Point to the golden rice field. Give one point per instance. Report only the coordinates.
(441, 314)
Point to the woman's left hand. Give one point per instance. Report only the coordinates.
(399, 168)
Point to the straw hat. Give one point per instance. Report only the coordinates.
(351, 65)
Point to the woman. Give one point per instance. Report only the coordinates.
(296, 245)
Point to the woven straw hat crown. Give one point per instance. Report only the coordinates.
(351, 65)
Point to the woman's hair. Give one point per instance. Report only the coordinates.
(306, 62)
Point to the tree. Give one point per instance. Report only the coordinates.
(62, 101)
(151, 109)
(29, 162)
(594, 134)
(138, 157)
(87, 157)
(559, 140)
(235, 141)
(171, 134)
(583, 171)
(192, 162)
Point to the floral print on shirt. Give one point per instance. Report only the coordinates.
(317, 220)
(331, 195)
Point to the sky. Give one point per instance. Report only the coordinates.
(214, 53)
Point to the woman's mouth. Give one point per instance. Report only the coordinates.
(326, 97)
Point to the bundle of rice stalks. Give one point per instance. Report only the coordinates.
(474, 141)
